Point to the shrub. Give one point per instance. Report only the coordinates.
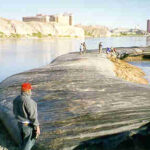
(2, 35)
(14, 35)
(64, 36)
(39, 34)
(49, 34)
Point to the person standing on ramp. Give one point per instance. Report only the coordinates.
(100, 47)
(25, 111)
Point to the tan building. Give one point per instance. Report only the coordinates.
(64, 19)
(38, 17)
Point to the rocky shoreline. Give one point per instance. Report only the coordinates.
(20, 29)
(79, 99)
(128, 72)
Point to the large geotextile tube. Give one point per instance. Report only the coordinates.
(136, 139)
(10, 123)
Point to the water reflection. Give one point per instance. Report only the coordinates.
(117, 42)
(20, 55)
(24, 54)
(148, 41)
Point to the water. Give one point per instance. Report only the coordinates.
(23, 54)
(145, 66)
(20, 55)
(118, 42)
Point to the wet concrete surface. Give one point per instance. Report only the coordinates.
(80, 99)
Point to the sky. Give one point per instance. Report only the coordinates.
(110, 13)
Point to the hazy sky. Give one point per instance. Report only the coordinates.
(111, 13)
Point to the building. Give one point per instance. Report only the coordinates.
(64, 19)
(38, 17)
(148, 26)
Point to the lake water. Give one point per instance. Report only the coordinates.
(20, 55)
(145, 66)
(23, 54)
(118, 41)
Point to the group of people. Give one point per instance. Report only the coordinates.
(82, 48)
(111, 50)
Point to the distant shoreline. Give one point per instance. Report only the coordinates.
(136, 35)
(34, 36)
(40, 36)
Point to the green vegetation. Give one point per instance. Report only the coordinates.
(2, 35)
(1, 32)
(87, 33)
(67, 36)
(127, 34)
(49, 34)
(39, 34)
(64, 36)
(119, 34)
(14, 35)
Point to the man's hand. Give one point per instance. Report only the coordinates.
(37, 131)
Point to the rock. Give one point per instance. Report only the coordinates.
(128, 72)
(127, 31)
(10, 27)
(79, 99)
(95, 31)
